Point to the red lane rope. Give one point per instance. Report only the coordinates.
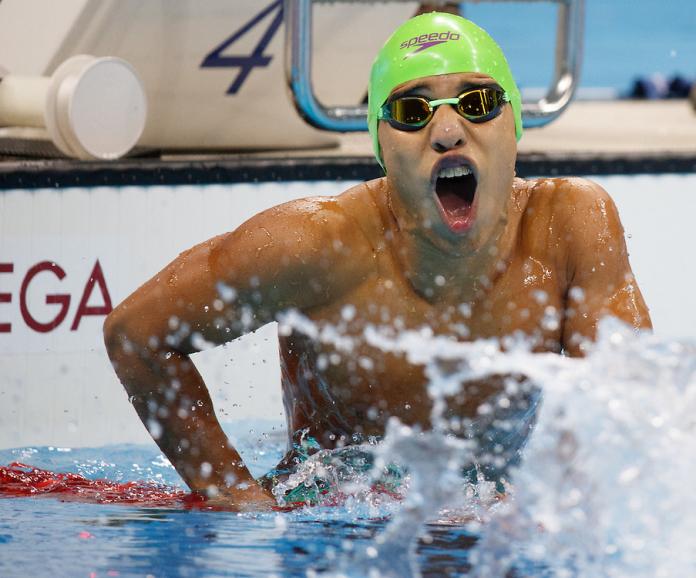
(20, 480)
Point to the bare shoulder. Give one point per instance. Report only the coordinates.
(577, 206)
(315, 242)
(310, 223)
(571, 221)
(589, 230)
(578, 194)
(352, 217)
(588, 213)
(566, 196)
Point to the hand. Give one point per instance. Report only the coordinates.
(243, 498)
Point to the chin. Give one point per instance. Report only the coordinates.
(455, 243)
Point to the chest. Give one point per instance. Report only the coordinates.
(528, 298)
(356, 359)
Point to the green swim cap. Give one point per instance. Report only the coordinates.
(431, 44)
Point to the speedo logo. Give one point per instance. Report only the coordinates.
(425, 41)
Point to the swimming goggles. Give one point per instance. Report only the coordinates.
(414, 112)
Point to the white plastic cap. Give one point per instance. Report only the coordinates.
(96, 108)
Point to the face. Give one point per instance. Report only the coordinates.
(451, 181)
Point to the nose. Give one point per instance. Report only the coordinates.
(447, 129)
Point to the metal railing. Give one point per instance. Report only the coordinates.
(298, 69)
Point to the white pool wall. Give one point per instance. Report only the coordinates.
(657, 212)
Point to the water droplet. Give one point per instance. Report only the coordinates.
(206, 469)
(576, 294)
(551, 320)
(541, 297)
(155, 429)
(628, 475)
(348, 312)
(366, 363)
(465, 310)
(227, 293)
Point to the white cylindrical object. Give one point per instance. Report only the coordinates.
(95, 107)
(92, 108)
(22, 100)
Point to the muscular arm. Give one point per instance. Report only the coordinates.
(600, 280)
(293, 256)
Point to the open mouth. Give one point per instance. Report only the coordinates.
(455, 189)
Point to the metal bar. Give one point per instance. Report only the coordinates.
(298, 69)
(568, 61)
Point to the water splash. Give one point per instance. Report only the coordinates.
(604, 486)
(601, 489)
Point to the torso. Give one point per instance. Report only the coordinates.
(338, 395)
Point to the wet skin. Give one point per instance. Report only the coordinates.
(544, 258)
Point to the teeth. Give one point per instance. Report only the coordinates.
(451, 172)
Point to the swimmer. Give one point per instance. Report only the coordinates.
(450, 239)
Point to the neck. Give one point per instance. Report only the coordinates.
(459, 268)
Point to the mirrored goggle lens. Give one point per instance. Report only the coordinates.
(481, 104)
(410, 110)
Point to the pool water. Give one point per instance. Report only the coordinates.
(87, 539)
(78, 540)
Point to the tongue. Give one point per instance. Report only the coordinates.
(454, 205)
